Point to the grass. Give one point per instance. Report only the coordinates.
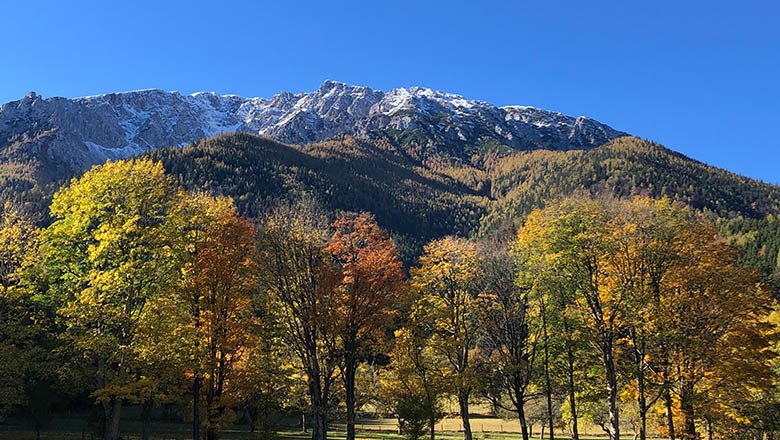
(75, 428)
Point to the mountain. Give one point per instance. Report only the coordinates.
(58, 137)
(426, 163)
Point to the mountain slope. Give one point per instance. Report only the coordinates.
(418, 201)
(414, 203)
(59, 137)
(623, 167)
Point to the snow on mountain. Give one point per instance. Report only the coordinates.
(79, 132)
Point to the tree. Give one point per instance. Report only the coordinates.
(266, 381)
(300, 279)
(371, 278)
(717, 335)
(574, 239)
(449, 303)
(415, 382)
(216, 250)
(508, 334)
(19, 334)
(650, 247)
(223, 274)
(107, 254)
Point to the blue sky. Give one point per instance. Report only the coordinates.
(701, 77)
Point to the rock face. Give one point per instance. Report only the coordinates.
(68, 135)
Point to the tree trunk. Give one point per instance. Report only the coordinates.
(350, 368)
(612, 392)
(710, 433)
(639, 343)
(432, 421)
(113, 412)
(686, 408)
(463, 402)
(146, 416)
(575, 434)
(547, 384)
(320, 428)
(521, 416)
(196, 385)
(668, 404)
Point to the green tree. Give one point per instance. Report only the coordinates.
(108, 253)
(508, 331)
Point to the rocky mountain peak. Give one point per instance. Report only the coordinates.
(73, 134)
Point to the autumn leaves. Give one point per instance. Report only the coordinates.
(597, 311)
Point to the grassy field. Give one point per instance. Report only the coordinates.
(75, 428)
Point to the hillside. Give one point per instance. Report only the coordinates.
(419, 200)
(623, 167)
(415, 203)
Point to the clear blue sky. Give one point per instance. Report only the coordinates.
(702, 77)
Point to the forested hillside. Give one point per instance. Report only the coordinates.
(412, 201)
(419, 199)
(624, 167)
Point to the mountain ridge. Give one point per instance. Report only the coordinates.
(68, 135)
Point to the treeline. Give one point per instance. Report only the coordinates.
(619, 313)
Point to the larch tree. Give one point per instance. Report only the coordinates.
(372, 278)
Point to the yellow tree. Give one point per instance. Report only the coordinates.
(574, 238)
(20, 349)
(648, 235)
(107, 254)
(414, 384)
(717, 335)
(449, 303)
(372, 277)
(203, 226)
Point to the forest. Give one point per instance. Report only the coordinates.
(639, 316)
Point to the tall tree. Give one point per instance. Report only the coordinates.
(18, 330)
(575, 239)
(508, 334)
(446, 281)
(717, 335)
(224, 275)
(107, 254)
(301, 278)
(372, 277)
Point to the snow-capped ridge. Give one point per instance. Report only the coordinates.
(87, 130)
